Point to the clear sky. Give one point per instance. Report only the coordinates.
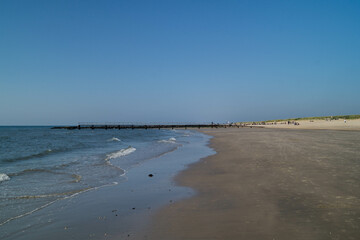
(63, 62)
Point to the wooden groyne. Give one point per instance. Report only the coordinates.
(147, 126)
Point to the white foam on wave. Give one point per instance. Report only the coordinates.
(114, 139)
(170, 140)
(4, 177)
(120, 153)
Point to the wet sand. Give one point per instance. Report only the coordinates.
(269, 184)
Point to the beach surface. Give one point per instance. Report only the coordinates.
(340, 124)
(269, 184)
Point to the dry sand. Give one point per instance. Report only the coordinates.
(321, 124)
(269, 184)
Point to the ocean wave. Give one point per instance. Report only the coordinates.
(170, 140)
(47, 195)
(65, 165)
(4, 177)
(34, 170)
(120, 153)
(36, 155)
(114, 139)
(76, 178)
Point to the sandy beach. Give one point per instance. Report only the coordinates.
(340, 124)
(269, 184)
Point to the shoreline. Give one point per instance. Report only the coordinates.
(121, 210)
(268, 184)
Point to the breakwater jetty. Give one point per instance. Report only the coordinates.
(147, 126)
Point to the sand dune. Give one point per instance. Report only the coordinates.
(340, 124)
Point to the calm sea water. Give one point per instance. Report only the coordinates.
(40, 166)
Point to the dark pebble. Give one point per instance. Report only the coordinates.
(150, 175)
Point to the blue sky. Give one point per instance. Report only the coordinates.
(63, 62)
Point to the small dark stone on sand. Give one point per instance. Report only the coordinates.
(150, 175)
(116, 215)
(133, 208)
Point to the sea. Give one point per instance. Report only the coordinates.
(56, 182)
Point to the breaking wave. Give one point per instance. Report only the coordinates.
(120, 153)
(4, 177)
(170, 140)
(114, 139)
